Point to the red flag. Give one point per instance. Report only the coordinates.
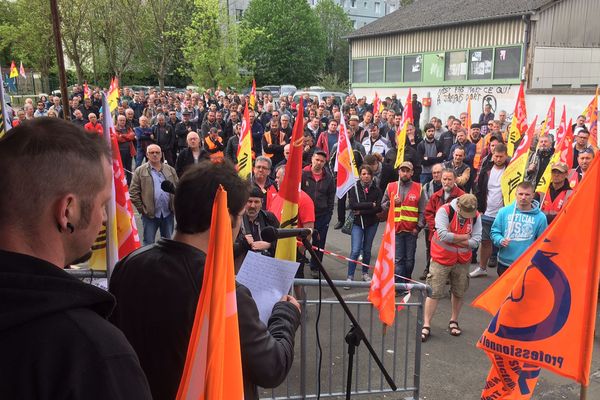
(345, 165)
(566, 146)
(550, 117)
(592, 118)
(376, 104)
(518, 124)
(213, 365)
(544, 305)
(382, 293)
(22, 70)
(562, 127)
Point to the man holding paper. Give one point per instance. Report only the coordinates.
(157, 289)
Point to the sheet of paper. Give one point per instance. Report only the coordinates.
(268, 279)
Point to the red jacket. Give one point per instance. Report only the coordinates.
(435, 203)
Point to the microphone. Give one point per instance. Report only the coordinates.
(168, 187)
(270, 234)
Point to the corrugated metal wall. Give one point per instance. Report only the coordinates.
(569, 23)
(469, 35)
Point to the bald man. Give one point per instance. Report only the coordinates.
(154, 205)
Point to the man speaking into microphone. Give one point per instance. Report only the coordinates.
(157, 289)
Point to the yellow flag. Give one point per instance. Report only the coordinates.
(401, 143)
(515, 171)
(244, 152)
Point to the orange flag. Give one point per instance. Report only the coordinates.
(468, 120)
(253, 95)
(382, 293)
(544, 305)
(592, 118)
(213, 365)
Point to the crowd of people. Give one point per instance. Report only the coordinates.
(448, 185)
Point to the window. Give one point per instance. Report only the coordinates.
(365, 4)
(353, 3)
(412, 68)
(456, 66)
(393, 69)
(507, 62)
(239, 14)
(377, 7)
(353, 23)
(359, 71)
(480, 64)
(375, 69)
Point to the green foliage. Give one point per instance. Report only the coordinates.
(333, 82)
(211, 45)
(335, 24)
(283, 42)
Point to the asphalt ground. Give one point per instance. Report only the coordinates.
(451, 367)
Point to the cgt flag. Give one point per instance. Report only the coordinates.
(113, 94)
(592, 117)
(515, 171)
(213, 365)
(244, 152)
(253, 95)
(345, 164)
(518, 125)
(13, 70)
(290, 190)
(377, 106)
(401, 143)
(382, 294)
(120, 236)
(544, 305)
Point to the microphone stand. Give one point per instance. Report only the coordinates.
(356, 333)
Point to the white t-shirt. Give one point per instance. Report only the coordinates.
(495, 200)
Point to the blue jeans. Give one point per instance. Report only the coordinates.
(319, 237)
(362, 239)
(406, 246)
(425, 177)
(152, 225)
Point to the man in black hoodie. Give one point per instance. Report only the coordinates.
(55, 341)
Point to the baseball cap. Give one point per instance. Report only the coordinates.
(186, 112)
(406, 164)
(560, 166)
(467, 205)
(475, 125)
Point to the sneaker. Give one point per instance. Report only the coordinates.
(348, 280)
(366, 278)
(477, 272)
(338, 225)
(492, 262)
(314, 273)
(360, 258)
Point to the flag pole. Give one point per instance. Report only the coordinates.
(592, 287)
(60, 59)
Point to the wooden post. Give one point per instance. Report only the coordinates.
(60, 59)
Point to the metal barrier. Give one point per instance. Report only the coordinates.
(399, 349)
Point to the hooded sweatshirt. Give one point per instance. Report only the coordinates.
(55, 340)
(521, 227)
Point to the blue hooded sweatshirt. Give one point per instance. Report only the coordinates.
(527, 226)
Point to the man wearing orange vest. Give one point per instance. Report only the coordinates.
(558, 192)
(409, 206)
(273, 143)
(213, 144)
(457, 232)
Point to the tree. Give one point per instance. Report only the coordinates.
(75, 25)
(28, 36)
(211, 45)
(335, 24)
(117, 30)
(162, 35)
(283, 42)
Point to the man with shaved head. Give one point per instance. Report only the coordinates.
(154, 204)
